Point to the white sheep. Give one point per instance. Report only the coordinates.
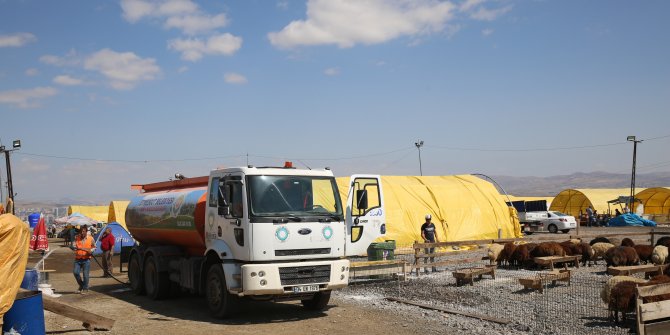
(607, 288)
(599, 250)
(659, 255)
(576, 241)
(494, 252)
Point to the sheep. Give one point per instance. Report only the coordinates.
(507, 252)
(494, 253)
(644, 252)
(570, 248)
(548, 249)
(659, 255)
(626, 242)
(664, 241)
(615, 241)
(521, 256)
(621, 256)
(576, 240)
(586, 252)
(599, 239)
(599, 250)
(607, 288)
(622, 296)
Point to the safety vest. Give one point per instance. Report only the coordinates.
(85, 244)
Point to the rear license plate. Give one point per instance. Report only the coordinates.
(306, 288)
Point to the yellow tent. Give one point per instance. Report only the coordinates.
(575, 201)
(463, 207)
(656, 201)
(14, 241)
(98, 213)
(520, 198)
(117, 212)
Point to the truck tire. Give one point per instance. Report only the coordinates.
(135, 275)
(221, 303)
(553, 229)
(318, 302)
(156, 284)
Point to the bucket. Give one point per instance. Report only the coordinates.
(26, 316)
(30, 280)
(33, 219)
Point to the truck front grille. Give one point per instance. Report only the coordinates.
(302, 252)
(304, 275)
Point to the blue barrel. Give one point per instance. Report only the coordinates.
(33, 219)
(26, 315)
(30, 280)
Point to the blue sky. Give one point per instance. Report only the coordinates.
(104, 94)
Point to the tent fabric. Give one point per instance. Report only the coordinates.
(97, 213)
(656, 200)
(575, 201)
(121, 236)
(14, 241)
(463, 207)
(630, 219)
(117, 212)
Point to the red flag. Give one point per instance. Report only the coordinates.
(38, 241)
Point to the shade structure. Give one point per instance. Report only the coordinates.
(656, 201)
(117, 212)
(97, 213)
(463, 207)
(38, 240)
(575, 201)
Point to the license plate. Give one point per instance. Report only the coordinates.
(306, 288)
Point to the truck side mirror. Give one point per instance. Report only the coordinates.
(362, 199)
(224, 210)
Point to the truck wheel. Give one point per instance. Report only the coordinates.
(221, 303)
(135, 275)
(318, 302)
(157, 284)
(553, 229)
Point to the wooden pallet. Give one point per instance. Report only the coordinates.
(648, 269)
(538, 282)
(467, 275)
(551, 260)
(371, 268)
(653, 317)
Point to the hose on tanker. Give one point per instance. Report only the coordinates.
(103, 269)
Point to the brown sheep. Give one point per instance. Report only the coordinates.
(506, 253)
(622, 299)
(626, 242)
(521, 256)
(548, 249)
(664, 241)
(644, 252)
(587, 253)
(570, 248)
(622, 256)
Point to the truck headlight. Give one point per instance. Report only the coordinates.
(261, 273)
(263, 282)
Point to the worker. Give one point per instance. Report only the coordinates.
(83, 249)
(591, 217)
(107, 246)
(72, 233)
(617, 212)
(429, 235)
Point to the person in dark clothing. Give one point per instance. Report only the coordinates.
(429, 235)
(617, 212)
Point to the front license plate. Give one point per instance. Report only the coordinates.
(306, 288)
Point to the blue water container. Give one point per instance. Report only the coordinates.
(30, 280)
(26, 316)
(33, 219)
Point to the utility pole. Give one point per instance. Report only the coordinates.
(632, 177)
(419, 144)
(16, 145)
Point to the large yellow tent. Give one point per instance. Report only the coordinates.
(575, 201)
(463, 207)
(656, 201)
(117, 212)
(98, 213)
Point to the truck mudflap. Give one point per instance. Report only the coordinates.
(294, 277)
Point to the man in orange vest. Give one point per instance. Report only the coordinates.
(83, 248)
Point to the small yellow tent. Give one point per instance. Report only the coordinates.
(98, 213)
(117, 212)
(463, 207)
(656, 201)
(575, 201)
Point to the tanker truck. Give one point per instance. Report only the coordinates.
(263, 233)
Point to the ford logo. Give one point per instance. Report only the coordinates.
(304, 231)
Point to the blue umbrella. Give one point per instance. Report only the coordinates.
(121, 236)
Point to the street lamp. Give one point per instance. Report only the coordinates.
(418, 145)
(632, 177)
(16, 145)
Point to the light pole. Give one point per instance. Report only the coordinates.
(16, 145)
(418, 145)
(632, 176)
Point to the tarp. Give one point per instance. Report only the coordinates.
(575, 201)
(14, 239)
(97, 213)
(629, 219)
(121, 237)
(463, 207)
(117, 212)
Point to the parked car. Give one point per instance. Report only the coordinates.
(559, 221)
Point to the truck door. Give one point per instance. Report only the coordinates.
(365, 216)
(226, 219)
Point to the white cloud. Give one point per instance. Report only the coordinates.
(67, 80)
(26, 98)
(470, 4)
(180, 14)
(235, 78)
(483, 14)
(71, 58)
(16, 39)
(346, 23)
(194, 24)
(123, 69)
(283, 4)
(332, 71)
(487, 32)
(182, 69)
(194, 49)
(32, 72)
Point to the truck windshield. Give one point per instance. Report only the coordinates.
(294, 197)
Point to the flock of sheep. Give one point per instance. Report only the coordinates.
(619, 291)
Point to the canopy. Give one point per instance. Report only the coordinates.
(121, 237)
(117, 212)
(98, 213)
(76, 219)
(463, 207)
(575, 201)
(14, 240)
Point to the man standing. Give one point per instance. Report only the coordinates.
(429, 235)
(83, 248)
(107, 246)
(590, 217)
